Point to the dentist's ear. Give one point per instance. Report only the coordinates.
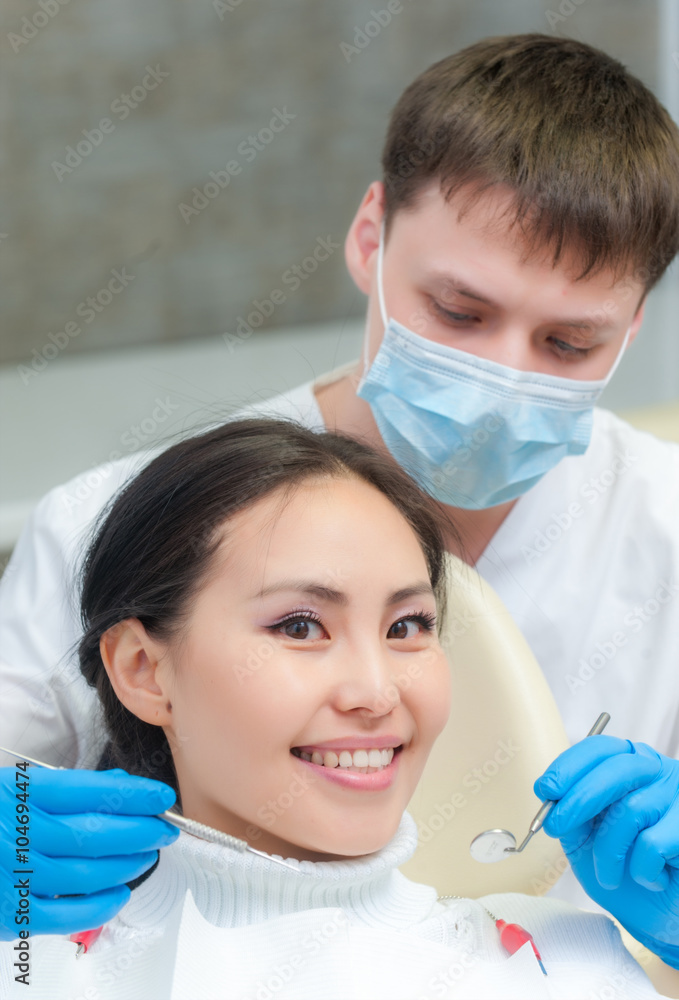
(138, 670)
(637, 321)
(363, 238)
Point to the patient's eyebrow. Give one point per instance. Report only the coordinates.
(325, 593)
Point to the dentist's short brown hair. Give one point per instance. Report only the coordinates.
(592, 155)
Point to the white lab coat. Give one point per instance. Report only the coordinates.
(587, 563)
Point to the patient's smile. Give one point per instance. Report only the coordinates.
(365, 761)
(341, 768)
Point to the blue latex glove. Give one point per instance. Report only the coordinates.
(90, 832)
(618, 822)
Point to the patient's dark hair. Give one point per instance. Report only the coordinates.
(155, 544)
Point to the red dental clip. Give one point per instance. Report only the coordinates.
(84, 939)
(513, 937)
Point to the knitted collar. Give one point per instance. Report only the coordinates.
(233, 889)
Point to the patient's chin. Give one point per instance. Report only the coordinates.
(366, 837)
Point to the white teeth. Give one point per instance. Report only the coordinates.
(365, 761)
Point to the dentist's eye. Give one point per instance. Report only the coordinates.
(454, 317)
(301, 626)
(400, 629)
(563, 349)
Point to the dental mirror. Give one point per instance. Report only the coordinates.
(498, 844)
(492, 845)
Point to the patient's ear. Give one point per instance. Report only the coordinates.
(139, 671)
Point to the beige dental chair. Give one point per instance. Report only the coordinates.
(503, 731)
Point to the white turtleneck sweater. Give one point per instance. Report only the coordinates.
(213, 924)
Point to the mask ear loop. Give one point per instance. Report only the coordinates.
(617, 361)
(380, 294)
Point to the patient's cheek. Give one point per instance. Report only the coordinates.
(440, 710)
(427, 680)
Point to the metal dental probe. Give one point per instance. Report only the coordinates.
(191, 826)
(495, 845)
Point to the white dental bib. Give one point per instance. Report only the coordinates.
(214, 924)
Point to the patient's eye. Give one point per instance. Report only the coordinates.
(301, 626)
(298, 630)
(406, 628)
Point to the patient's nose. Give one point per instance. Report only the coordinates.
(368, 681)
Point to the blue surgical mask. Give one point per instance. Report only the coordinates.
(473, 433)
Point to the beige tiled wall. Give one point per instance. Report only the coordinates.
(230, 70)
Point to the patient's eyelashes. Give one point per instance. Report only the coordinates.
(426, 620)
(307, 625)
(300, 625)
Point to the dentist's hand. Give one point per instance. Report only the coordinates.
(89, 833)
(618, 822)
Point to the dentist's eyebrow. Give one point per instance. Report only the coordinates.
(450, 282)
(325, 593)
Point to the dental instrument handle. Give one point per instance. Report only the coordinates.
(191, 826)
(32, 760)
(547, 806)
(197, 829)
(599, 725)
(204, 832)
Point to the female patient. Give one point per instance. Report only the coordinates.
(260, 609)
